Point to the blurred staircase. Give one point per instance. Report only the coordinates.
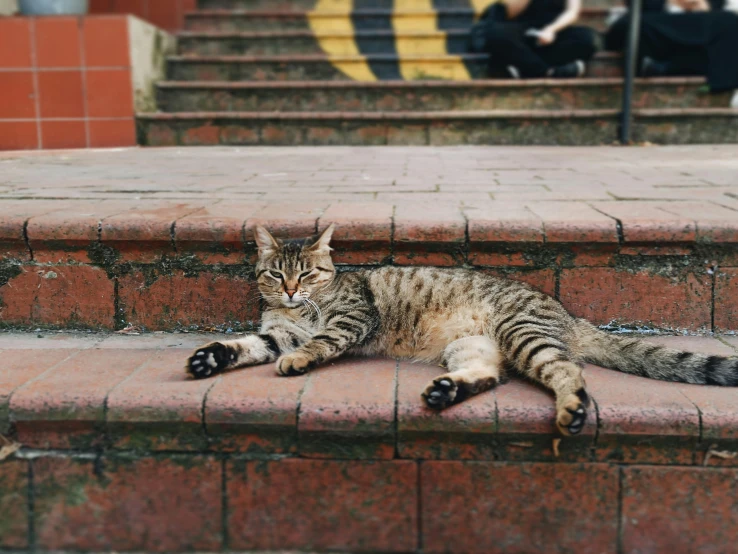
(319, 72)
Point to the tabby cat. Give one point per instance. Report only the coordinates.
(475, 324)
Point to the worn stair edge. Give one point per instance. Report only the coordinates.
(363, 96)
(307, 58)
(68, 403)
(228, 14)
(453, 114)
(443, 128)
(297, 33)
(432, 84)
(393, 115)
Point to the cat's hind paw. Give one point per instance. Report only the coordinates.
(441, 393)
(572, 414)
(209, 360)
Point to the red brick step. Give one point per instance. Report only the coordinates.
(632, 236)
(110, 426)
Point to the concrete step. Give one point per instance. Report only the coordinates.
(439, 128)
(347, 458)
(358, 19)
(348, 5)
(227, 43)
(408, 96)
(322, 67)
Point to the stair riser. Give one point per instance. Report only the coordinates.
(299, 22)
(344, 5)
(324, 70)
(430, 98)
(440, 132)
(455, 43)
(319, 132)
(306, 5)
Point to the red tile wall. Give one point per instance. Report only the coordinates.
(65, 82)
(167, 14)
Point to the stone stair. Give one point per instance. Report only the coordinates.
(331, 72)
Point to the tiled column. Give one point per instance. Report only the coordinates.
(70, 82)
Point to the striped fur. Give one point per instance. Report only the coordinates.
(475, 324)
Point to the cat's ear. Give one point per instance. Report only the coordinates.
(265, 241)
(324, 240)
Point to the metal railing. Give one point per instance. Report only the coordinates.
(631, 63)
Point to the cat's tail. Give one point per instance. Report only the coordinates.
(639, 357)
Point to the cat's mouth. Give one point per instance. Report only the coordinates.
(292, 303)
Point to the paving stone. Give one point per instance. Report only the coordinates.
(323, 505)
(181, 300)
(14, 504)
(158, 407)
(145, 233)
(574, 222)
(21, 367)
(363, 232)
(67, 233)
(65, 406)
(59, 296)
(347, 410)
(518, 507)
(642, 420)
(526, 417)
(726, 299)
(152, 504)
(649, 221)
(253, 410)
(604, 295)
(441, 226)
(678, 509)
(215, 233)
(465, 431)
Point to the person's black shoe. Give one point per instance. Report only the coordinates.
(570, 70)
(652, 68)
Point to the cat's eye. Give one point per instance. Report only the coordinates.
(303, 275)
(275, 274)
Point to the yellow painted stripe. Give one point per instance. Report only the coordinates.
(432, 43)
(325, 30)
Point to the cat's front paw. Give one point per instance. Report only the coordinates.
(441, 393)
(210, 360)
(295, 363)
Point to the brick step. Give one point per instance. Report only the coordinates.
(347, 458)
(267, 43)
(342, 68)
(408, 96)
(358, 19)
(70, 391)
(164, 241)
(489, 127)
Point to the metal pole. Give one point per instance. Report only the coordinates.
(631, 62)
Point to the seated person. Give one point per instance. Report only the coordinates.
(534, 38)
(684, 37)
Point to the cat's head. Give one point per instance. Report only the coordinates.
(289, 272)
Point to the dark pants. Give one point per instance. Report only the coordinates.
(704, 43)
(506, 44)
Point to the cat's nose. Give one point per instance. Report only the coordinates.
(290, 292)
